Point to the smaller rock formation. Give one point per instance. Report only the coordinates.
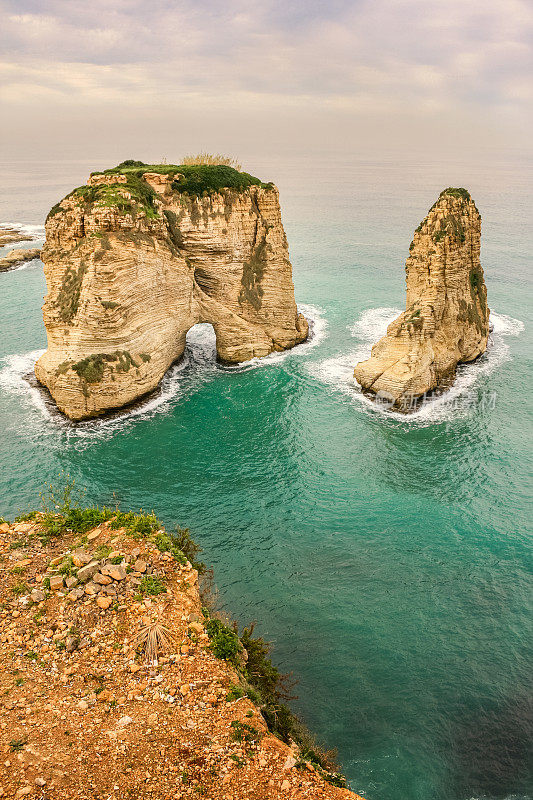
(16, 257)
(11, 235)
(446, 321)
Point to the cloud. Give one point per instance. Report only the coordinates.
(362, 57)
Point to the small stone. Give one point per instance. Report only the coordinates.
(77, 593)
(71, 582)
(81, 559)
(123, 721)
(91, 588)
(83, 705)
(72, 643)
(94, 535)
(23, 792)
(103, 602)
(40, 782)
(56, 582)
(285, 786)
(290, 762)
(37, 596)
(140, 565)
(134, 668)
(103, 580)
(86, 572)
(55, 561)
(115, 571)
(196, 627)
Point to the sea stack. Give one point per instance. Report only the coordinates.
(142, 253)
(446, 321)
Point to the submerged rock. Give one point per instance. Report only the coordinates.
(446, 321)
(136, 258)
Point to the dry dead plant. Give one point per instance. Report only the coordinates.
(213, 159)
(154, 639)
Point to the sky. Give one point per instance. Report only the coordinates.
(166, 77)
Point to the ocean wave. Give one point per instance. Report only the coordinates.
(33, 231)
(197, 366)
(458, 400)
(33, 262)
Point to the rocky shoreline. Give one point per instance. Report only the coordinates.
(117, 682)
(16, 257)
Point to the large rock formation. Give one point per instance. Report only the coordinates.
(446, 321)
(141, 254)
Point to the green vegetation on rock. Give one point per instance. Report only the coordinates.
(193, 179)
(451, 225)
(462, 194)
(142, 195)
(252, 275)
(91, 369)
(68, 297)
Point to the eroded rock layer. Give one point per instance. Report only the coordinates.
(132, 262)
(446, 321)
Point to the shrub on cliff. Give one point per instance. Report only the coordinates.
(191, 178)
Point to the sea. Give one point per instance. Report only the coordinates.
(386, 557)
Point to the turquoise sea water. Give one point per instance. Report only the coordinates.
(388, 559)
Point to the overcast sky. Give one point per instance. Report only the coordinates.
(273, 74)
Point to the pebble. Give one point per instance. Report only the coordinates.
(86, 572)
(116, 571)
(37, 596)
(103, 580)
(81, 559)
(103, 602)
(56, 582)
(123, 721)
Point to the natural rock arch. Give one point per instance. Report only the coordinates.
(133, 262)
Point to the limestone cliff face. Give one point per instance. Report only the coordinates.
(132, 264)
(446, 321)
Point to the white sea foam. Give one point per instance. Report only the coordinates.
(318, 327)
(13, 379)
(33, 231)
(337, 372)
(197, 367)
(33, 262)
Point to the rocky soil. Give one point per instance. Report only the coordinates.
(89, 711)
